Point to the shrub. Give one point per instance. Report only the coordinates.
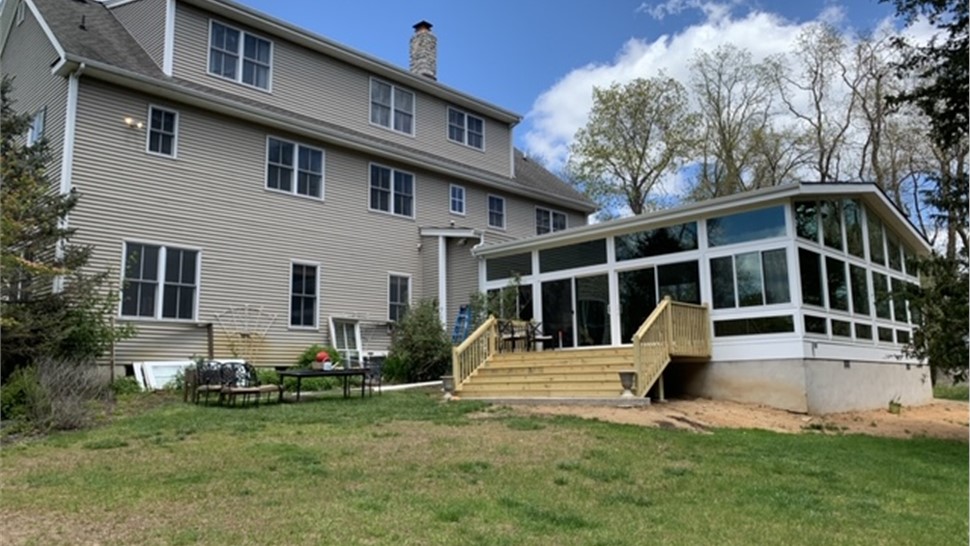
(59, 394)
(267, 376)
(420, 345)
(125, 385)
(309, 356)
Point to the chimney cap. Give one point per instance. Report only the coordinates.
(422, 25)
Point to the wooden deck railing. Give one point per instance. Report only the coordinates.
(475, 350)
(673, 329)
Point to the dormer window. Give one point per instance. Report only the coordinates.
(239, 56)
(391, 107)
(466, 129)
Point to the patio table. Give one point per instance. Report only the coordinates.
(345, 373)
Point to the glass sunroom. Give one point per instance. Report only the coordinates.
(796, 271)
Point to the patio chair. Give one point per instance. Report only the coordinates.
(374, 370)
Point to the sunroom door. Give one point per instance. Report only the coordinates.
(592, 297)
(557, 312)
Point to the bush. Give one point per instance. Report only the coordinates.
(58, 394)
(126, 385)
(267, 376)
(420, 346)
(309, 356)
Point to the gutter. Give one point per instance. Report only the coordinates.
(173, 91)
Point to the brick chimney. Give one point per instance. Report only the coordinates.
(424, 51)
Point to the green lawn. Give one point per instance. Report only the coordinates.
(404, 468)
(952, 392)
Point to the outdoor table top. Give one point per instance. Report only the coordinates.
(346, 373)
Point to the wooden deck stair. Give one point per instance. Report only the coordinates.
(571, 373)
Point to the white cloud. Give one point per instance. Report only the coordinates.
(711, 10)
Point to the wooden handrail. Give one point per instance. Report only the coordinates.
(475, 350)
(672, 329)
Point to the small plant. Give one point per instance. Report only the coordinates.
(309, 356)
(895, 407)
(125, 386)
(420, 346)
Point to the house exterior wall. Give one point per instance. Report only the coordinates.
(212, 197)
(145, 21)
(332, 91)
(28, 55)
(462, 277)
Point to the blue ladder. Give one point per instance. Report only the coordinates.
(461, 325)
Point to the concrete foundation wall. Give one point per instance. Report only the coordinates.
(833, 387)
(776, 383)
(806, 385)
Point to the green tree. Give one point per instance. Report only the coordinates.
(52, 309)
(420, 349)
(940, 69)
(636, 134)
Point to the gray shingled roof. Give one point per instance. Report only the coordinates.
(104, 39)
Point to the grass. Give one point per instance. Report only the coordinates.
(952, 392)
(405, 468)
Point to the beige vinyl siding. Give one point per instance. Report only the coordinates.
(429, 267)
(145, 21)
(462, 278)
(27, 56)
(213, 198)
(324, 88)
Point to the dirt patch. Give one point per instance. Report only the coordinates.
(945, 419)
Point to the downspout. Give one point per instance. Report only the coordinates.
(67, 158)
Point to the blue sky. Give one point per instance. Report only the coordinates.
(541, 59)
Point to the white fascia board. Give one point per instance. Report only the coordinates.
(231, 108)
(449, 232)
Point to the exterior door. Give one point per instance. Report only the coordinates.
(557, 312)
(592, 310)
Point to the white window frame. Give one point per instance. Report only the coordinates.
(552, 225)
(289, 297)
(34, 133)
(393, 107)
(175, 132)
(391, 275)
(488, 211)
(357, 337)
(465, 130)
(295, 169)
(452, 200)
(160, 281)
(240, 59)
(390, 203)
(20, 13)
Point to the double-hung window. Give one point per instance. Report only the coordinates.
(160, 282)
(548, 221)
(456, 199)
(36, 130)
(496, 212)
(398, 296)
(239, 56)
(466, 129)
(303, 295)
(391, 191)
(162, 131)
(391, 107)
(294, 168)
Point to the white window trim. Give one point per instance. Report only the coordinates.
(414, 192)
(488, 212)
(19, 14)
(464, 200)
(464, 133)
(333, 332)
(390, 127)
(162, 257)
(552, 212)
(32, 137)
(239, 54)
(391, 274)
(295, 168)
(175, 134)
(289, 297)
